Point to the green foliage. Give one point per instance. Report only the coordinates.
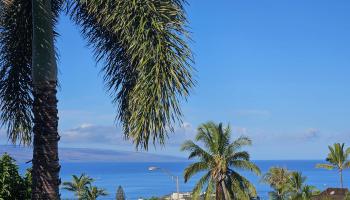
(94, 192)
(79, 185)
(16, 90)
(288, 185)
(83, 188)
(278, 179)
(142, 45)
(153, 198)
(338, 158)
(120, 194)
(147, 63)
(27, 181)
(12, 185)
(15, 70)
(347, 197)
(220, 159)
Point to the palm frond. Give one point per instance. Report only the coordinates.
(196, 151)
(200, 184)
(297, 181)
(246, 165)
(239, 143)
(209, 191)
(347, 164)
(242, 155)
(325, 166)
(16, 97)
(206, 134)
(15, 71)
(242, 187)
(147, 63)
(194, 169)
(69, 186)
(277, 177)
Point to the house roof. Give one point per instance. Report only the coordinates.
(332, 194)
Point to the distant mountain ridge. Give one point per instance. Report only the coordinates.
(24, 154)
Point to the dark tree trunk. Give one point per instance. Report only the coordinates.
(45, 155)
(219, 194)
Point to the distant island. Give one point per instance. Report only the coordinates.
(24, 154)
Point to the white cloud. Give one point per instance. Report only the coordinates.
(87, 135)
(92, 134)
(311, 134)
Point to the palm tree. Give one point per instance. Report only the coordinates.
(309, 191)
(297, 182)
(300, 191)
(219, 159)
(79, 185)
(146, 61)
(338, 159)
(278, 179)
(94, 192)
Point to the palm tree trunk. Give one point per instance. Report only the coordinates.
(225, 191)
(219, 194)
(45, 153)
(341, 178)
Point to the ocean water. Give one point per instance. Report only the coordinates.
(137, 181)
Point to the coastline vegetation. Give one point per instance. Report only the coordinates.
(221, 161)
(288, 185)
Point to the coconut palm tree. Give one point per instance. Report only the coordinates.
(337, 159)
(220, 159)
(278, 178)
(94, 192)
(299, 190)
(79, 185)
(143, 51)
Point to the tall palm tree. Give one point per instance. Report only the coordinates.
(219, 160)
(142, 46)
(94, 192)
(278, 179)
(337, 159)
(79, 185)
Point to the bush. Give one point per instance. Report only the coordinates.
(12, 185)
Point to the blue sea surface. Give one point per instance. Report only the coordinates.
(137, 181)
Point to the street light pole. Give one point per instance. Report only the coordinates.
(177, 188)
(176, 178)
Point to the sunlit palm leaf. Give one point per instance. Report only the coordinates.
(197, 190)
(246, 165)
(194, 169)
(325, 166)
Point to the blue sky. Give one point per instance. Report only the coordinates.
(277, 71)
